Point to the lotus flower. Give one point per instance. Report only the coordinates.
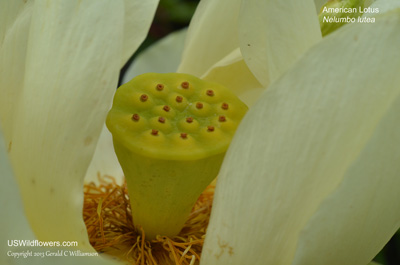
(312, 168)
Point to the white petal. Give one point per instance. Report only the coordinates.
(162, 57)
(300, 143)
(137, 20)
(10, 10)
(16, 227)
(366, 205)
(233, 73)
(274, 34)
(212, 35)
(319, 4)
(104, 161)
(15, 19)
(13, 222)
(71, 72)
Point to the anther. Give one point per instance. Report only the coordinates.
(199, 105)
(185, 85)
(144, 97)
(166, 108)
(179, 99)
(210, 128)
(161, 119)
(210, 93)
(225, 106)
(135, 117)
(160, 87)
(189, 119)
(222, 118)
(154, 132)
(183, 135)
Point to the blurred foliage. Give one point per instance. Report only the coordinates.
(390, 254)
(173, 15)
(177, 12)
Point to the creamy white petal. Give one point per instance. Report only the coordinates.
(9, 10)
(137, 20)
(319, 4)
(15, 226)
(232, 72)
(274, 34)
(15, 19)
(296, 146)
(104, 161)
(363, 213)
(13, 222)
(212, 35)
(162, 57)
(71, 71)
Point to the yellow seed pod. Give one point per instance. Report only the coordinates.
(170, 133)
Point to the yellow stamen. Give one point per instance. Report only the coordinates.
(108, 218)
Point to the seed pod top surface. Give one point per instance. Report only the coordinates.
(174, 116)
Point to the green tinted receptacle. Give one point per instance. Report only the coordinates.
(170, 134)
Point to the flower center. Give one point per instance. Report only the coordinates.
(170, 134)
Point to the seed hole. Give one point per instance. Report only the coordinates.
(166, 108)
(221, 118)
(144, 97)
(199, 105)
(225, 106)
(161, 119)
(135, 117)
(160, 87)
(184, 135)
(154, 132)
(179, 99)
(210, 128)
(185, 85)
(210, 93)
(189, 119)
